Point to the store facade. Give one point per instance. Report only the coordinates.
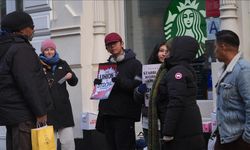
(79, 28)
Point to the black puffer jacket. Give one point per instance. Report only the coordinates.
(120, 102)
(177, 108)
(60, 115)
(24, 92)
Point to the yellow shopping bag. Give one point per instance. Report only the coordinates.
(43, 138)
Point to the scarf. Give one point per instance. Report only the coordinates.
(50, 61)
(153, 134)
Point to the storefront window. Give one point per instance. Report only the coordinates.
(144, 25)
(19, 5)
(7, 6)
(3, 8)
(147, 24)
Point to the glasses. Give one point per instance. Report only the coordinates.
(110, 45)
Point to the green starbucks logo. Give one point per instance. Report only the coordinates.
(186, 17)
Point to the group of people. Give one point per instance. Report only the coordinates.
(173, 97)
(33, 88)
(33, 91)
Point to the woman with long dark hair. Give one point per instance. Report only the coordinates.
(158, 56)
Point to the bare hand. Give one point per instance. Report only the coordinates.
(41, 120)
(167, 138)
(68, 76)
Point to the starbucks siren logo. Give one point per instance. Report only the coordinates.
(186, 18)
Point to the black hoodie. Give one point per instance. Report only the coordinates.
(120, 102)
(184, 49)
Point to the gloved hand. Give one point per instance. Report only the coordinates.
(142, 88)
(114, 79)
(97, 81)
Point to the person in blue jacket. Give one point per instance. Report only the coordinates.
(233, 94)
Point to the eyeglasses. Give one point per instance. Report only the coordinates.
(110, 45)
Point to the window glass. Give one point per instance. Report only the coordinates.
(145, 27)
(12, 6)
(19, 5)
(3, 8)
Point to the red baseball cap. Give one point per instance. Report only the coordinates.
(112, 37)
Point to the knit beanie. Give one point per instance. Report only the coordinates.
(16, 21)
(47, 44)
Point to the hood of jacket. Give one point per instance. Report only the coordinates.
(184, 49)
(128, 54)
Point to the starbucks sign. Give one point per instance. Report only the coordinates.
(186, 17)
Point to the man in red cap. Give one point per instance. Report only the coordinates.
(118, 114)
(25, 97)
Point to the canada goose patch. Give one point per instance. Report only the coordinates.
(178, 76)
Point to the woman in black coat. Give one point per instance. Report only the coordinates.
(176, 102)
(158, 55)
(58, 72)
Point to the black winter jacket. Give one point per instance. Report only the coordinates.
(120, 102)
(177, 108)
(60, 115)
(24, 93)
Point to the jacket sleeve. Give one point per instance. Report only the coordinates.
(74, 80)
(129, 84)
(176, 86)
(243, 88)
(30, 78)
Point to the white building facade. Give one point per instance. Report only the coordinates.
(78, 28)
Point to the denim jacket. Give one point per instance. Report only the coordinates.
(233, 101)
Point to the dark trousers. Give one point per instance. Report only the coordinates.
(120, 133)
(145, 135)
(238, 144)
(19, 136)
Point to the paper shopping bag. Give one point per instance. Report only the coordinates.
(43, 138)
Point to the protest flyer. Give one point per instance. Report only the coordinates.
(148, 76)
(106, 72)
